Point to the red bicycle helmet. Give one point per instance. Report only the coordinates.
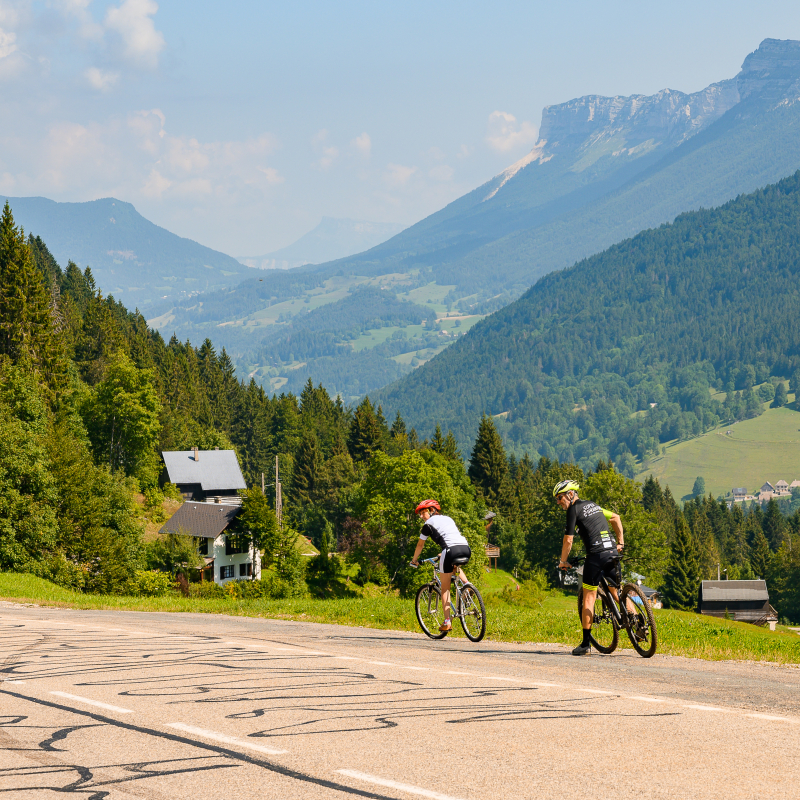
(427, 504)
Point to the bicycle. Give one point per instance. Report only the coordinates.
(466, 604)
(609, 617)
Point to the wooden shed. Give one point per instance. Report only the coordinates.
(745, 601)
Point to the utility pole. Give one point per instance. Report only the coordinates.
(262, 484)
(278, 497)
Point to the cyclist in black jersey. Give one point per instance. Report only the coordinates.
(445, 534)
(602, 550)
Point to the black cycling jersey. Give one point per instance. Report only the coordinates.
(592, 525)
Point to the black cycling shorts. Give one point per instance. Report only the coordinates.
(450, 553)
(601, 564)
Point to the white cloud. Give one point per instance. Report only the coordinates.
(155, 185)
(505, 133)
(79, 9)
(132, 21)
(8, 43)
(397, 175)
(328, 152)
(363, 143)
(100, 79)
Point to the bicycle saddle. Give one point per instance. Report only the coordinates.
(459, 562)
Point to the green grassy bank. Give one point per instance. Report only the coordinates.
(554, 620)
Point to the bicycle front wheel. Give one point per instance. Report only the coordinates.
(430, 610)
(641, 623)
(472, 613)
(604, 635)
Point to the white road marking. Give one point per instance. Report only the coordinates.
(598, 691)
(499, 678)
(450, 672)
(224, 738)
(646, 699)
(347, 658)
(773, 718)
(401, 787)
(14, 682)
(709, 708)
(89, 702)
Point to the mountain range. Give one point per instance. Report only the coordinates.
(333, 238)
(130, 257)
(604, 169)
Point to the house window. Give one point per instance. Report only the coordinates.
(245, 570)
(202, 546)
(225, 572)
(235, 544)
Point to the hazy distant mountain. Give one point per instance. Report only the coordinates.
(133, 259)
(603, 169)
(332, 239)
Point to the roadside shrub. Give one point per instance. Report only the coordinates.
(208, 590)
(149, 583)
(531, 593)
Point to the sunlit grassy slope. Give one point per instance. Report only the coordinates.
(766, 448)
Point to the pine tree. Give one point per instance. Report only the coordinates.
(781, 396)
(306, 470)
(699, 488)
(451, 449)
(27, 334)
(652, 496)
(682, 579)
(760, 554)
(488, 467)
(366, 433)
(774, 525)
(437, 441)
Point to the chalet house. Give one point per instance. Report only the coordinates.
(746, 601)
(209, 481)
(767, 487)
(739, 493)
(225, 557)
(204, 474)
(794, 485)
(782, 487)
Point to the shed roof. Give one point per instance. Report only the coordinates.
(215, 469)
(722, 591)
(206, 520)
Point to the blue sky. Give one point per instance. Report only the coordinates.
(241, 124)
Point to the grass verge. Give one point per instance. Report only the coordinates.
(555, 620)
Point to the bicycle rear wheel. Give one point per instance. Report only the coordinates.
(472, 613)
(430, 610)
(642, 625)
(604, 635)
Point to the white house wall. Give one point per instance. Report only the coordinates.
(222, 560)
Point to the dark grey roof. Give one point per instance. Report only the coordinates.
(216, 469)
(206, 520)
(721, 591)
(647, 591)
(740, 490)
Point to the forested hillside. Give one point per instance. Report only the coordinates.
(627, 349)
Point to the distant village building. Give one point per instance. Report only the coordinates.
(767, 487)
(781, 486)
(739, 492)
(745, 601)
(210, 480)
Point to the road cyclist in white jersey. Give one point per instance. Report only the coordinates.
(445, 534)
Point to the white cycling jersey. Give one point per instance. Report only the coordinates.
(443, 531)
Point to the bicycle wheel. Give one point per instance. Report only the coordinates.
(473, 613)
(430, 610)
(604, 635)
(642, 627)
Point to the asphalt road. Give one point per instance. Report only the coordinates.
(122, 704)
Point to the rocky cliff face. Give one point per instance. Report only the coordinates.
(637, 122)
(588, 128)
(772, 72)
